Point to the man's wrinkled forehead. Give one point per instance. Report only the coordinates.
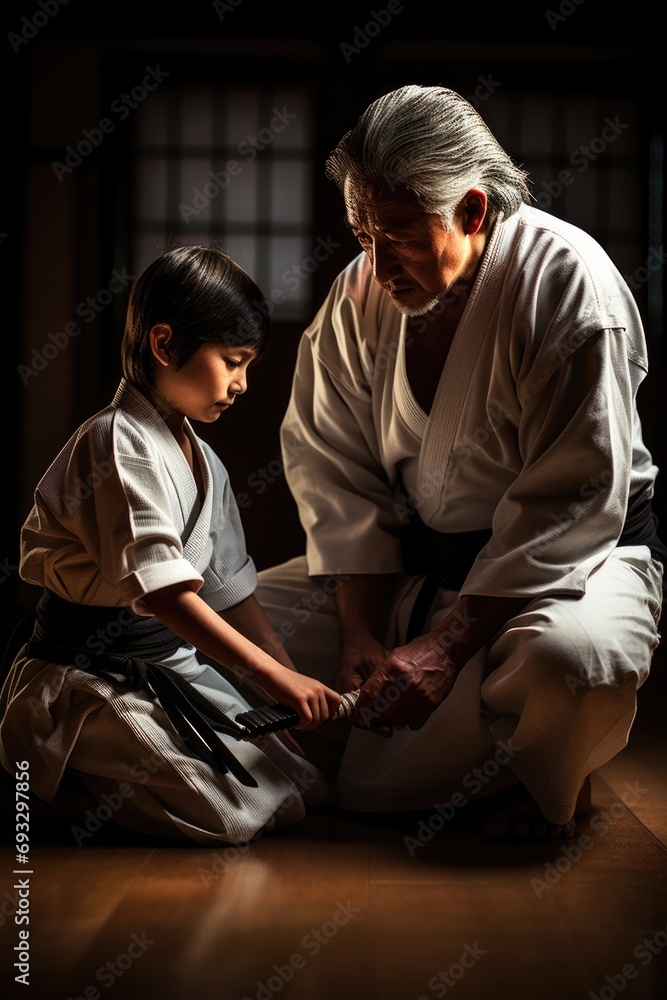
(367, 206)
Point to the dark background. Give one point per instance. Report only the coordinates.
(60, 240)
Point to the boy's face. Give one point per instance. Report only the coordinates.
(208, 382)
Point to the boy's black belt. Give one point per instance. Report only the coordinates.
(115, 641)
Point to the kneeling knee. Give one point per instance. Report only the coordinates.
(612, 683)
(585, 666)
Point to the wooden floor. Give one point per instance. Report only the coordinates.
(339, 907)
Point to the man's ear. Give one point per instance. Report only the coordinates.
(160, 339)
(474, 207)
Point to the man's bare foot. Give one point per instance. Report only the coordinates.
(520, 818)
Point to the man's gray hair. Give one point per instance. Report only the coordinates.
(432, 142)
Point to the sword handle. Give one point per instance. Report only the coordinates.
(270, 718)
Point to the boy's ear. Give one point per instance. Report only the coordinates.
(160, 340)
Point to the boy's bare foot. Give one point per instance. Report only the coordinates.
(520, 818)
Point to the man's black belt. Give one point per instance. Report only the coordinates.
(115, 641)
(446, 558)
(641, 526)
(443, 558)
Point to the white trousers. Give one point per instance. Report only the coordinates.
(118, 742)
(551, 698)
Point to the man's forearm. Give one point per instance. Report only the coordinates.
(362, 604)
(473, 622)
(362, 601)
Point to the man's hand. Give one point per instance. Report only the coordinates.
(359, 661)
(407, 687)
(404, 687)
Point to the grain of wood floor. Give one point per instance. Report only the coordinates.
(345, 906)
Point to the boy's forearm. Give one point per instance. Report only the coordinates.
(186, 614)
(249, 618)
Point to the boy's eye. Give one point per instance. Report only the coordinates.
(232, 364)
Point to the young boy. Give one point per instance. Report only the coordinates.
(146, 582)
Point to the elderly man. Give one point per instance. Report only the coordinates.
(464, 447)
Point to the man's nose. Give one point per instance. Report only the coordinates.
(386, 265)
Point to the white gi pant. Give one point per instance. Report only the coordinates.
(551, 698)
(118, 742)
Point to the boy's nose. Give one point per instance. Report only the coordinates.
(240, 384)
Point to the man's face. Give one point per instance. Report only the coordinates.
(413, 256)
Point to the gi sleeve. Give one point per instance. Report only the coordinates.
(330, 448)
(110, 498)
(230, 574)
(564, 512)
(139, 547)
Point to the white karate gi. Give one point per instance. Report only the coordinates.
(117, 516)
(534, 433)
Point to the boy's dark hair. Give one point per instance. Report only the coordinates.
(204, 296)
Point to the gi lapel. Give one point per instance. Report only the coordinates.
(457, 382)
(195, 543)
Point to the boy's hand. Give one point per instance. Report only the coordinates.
(313, 701)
